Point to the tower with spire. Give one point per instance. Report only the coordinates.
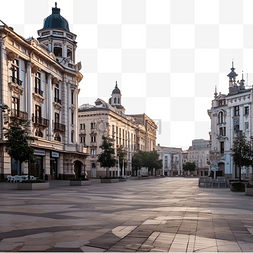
(57, 38)
(232, 79)
(115, 99)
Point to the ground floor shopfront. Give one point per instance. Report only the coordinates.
(49, 165)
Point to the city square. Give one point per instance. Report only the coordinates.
(155, 215)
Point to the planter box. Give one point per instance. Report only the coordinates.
(122, 179)
(32, 186)
(233, 189)
(133, 178)
(107, 180)
(79, 183)
(143, 178)
(249, 191)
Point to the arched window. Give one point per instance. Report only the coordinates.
(118, 100)
(72, 136)
(69, 54)
(220, 117)
(115, 100)
(38, 133)
(58, 51)
(57, 137)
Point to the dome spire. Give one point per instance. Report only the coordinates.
(55, 4)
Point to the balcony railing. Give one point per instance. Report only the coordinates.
(57, 100)
(16, 80)
(59, 127)
(19, 114)
(40, 121)
(38, 91)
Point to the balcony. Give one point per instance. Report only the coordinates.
(16, 80)
(57, 100)
(40, 121)
(38, 91)
(19, 114)
(82, 131)
(59, 127)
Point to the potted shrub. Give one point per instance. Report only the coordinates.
(249, 189)
(79, 181)
(237, 186)
(37, 184)
(109, 180)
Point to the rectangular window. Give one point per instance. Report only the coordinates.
(246, 110)
(15, 72)
(37, 83)
(222, 147)
(57, 118)
(72, 118)
(37, 111)
(93, 151)
(246, 125)
(93, 138)
(236, 111)
(92, 125)
(15, 104)
(72, 97)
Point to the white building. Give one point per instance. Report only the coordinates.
(172, 160)
(39, 82)
(131, 132)
(230, 114)
(199, 153)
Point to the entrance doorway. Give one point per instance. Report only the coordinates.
(37, 168)
(53, 168)
(93, 170)
(77, 169)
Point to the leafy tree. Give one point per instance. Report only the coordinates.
(106, 158)
(17, 135)
(189, 166)
(149, 160)
(242, 153)
(122, 155)
(137, 163)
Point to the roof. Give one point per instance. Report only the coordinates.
(116, 90)
(55, 20)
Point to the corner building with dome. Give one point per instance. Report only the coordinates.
(40, 83)
(131, 132)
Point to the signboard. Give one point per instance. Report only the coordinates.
(39, 152)
(55, 154)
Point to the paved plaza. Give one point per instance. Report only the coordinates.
(156, 215)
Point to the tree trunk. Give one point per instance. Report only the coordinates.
(240, 173)
(107, 172)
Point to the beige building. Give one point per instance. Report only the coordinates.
(172, 160)
(199, 153)
(40, 82)
(132, 132)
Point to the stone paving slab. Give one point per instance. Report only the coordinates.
(162, 215)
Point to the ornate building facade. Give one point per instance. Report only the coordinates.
(172, 160)
(39, 82)
(132, 132)
(231, 115)
(199, 153)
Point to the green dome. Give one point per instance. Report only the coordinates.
(55, 20)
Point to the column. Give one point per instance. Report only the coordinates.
(72, 169)
(163, 163)
(29, 91)
(118, 168)
(49, 105)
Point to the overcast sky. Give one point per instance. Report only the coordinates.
(166, 55)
